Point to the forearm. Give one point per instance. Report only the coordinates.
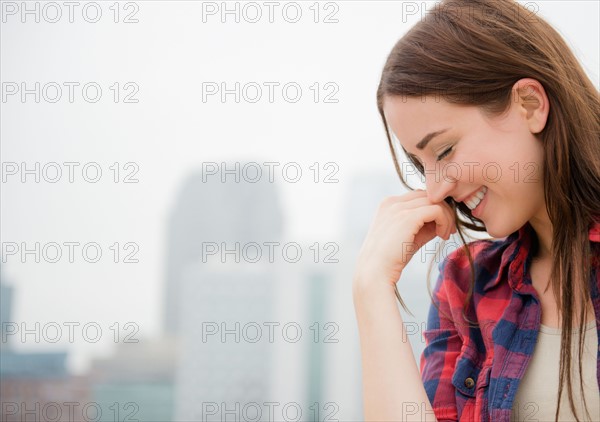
(392, 385)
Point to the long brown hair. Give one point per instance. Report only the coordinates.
(472, 52)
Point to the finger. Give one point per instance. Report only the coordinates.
(420, 198)
(451, 217)
(410, 203)
(420, 202)
(416, 193)
(435, 213)
(395, 199)
(451, 221)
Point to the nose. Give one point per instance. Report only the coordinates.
(439, 184)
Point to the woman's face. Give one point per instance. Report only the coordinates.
(471, 152)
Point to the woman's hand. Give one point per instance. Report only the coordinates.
(402, 225)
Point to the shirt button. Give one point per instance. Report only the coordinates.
(469, 383)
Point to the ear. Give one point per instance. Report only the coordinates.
(532, 103)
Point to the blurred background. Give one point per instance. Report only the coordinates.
(185, 188)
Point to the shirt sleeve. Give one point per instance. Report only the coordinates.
(442, 347)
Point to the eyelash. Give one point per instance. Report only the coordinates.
(445, 153)
(439, 158)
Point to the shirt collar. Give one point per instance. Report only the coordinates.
(516, 258)
(595, 231)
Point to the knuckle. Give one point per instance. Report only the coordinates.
(388, 200)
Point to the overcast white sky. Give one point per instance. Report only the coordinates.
(170, 132)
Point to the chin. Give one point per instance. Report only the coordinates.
(502, 231)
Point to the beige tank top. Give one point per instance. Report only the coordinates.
(536, 395)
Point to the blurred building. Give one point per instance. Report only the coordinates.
(210, 210)
(226, 358)
(45, 397)
(5, 310)
(37, 386)
(325, 334)
(136, 382)
(217, 302)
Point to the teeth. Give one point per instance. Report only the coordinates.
(476, 199)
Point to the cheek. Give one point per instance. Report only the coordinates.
(476, 168)
(499, 166)
(530, 174)
(453, 171)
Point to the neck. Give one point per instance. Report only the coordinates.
(543, 229)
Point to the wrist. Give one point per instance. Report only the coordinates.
(366, 282)
(372, 294)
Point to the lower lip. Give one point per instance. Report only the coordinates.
(478, 210)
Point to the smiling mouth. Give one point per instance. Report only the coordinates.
(476, 199)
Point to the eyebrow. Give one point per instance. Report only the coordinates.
(423, 142)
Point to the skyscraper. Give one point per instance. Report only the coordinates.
(216, 302)
(215, 208)
(5, 309)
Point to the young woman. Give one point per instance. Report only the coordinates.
(492, 108)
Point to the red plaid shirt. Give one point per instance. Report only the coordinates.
(472, 374)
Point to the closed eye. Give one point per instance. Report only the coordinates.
(445, 153)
